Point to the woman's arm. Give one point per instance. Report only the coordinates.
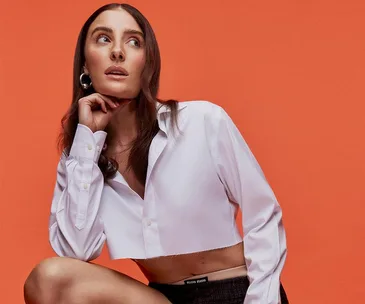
(75, 227)
(245, 183)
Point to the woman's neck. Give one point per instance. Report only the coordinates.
(123, 127)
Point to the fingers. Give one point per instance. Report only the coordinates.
(110, 102)
(98, 99)
(101, 101)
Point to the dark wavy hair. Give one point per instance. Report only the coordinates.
(146, 100)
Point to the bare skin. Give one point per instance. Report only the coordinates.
(171, 269)
(65, 280)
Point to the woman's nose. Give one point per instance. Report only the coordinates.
(117, 54)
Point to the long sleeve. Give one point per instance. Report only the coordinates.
(245, 183)
(75, 227)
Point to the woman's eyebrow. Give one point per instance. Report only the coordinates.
(109, 30)
(102, 28)
(133, 32)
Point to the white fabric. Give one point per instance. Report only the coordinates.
(192, 177)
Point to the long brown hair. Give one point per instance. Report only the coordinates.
(146, 101)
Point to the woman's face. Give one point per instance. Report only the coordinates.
(115, 54)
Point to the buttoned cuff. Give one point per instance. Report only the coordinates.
(86, 144)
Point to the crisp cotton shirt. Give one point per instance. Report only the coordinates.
(196, 180)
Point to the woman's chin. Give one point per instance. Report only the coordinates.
(116, 94)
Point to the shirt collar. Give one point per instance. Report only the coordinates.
(163, 108)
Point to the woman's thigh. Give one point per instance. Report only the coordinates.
(76, 281)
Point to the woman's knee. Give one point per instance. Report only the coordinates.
(46, 281)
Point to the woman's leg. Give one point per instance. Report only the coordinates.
(65, 280)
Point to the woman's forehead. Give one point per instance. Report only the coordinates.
(117, 19)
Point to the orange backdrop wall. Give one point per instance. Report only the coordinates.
(290, 73)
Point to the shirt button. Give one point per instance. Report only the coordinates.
(148, 222)
(86, 186)
(89, 146)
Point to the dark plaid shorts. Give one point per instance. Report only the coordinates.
(227, 291)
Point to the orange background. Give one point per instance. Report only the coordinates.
(290, 73)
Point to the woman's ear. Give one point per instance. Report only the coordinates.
(86, 71)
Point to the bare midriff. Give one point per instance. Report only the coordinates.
(170, 269)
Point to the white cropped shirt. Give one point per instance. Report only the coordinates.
(195, 182)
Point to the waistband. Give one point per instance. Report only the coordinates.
(239, 271)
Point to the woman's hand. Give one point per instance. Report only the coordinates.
(96, 110)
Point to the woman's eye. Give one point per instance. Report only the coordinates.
(134, 42)
(103, 39)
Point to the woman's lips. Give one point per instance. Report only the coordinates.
(114, 69)
(117, 77)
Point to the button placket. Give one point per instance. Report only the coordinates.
(151, 233)
(147, 222)
(90, 150)
(83, 202)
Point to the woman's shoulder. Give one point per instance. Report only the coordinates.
(208, 113)
(197, 112)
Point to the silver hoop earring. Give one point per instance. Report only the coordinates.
(84, 85)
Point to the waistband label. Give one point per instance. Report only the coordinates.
(196, 281)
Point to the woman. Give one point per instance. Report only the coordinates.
(161, 182)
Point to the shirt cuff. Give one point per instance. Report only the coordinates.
(86, 144)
